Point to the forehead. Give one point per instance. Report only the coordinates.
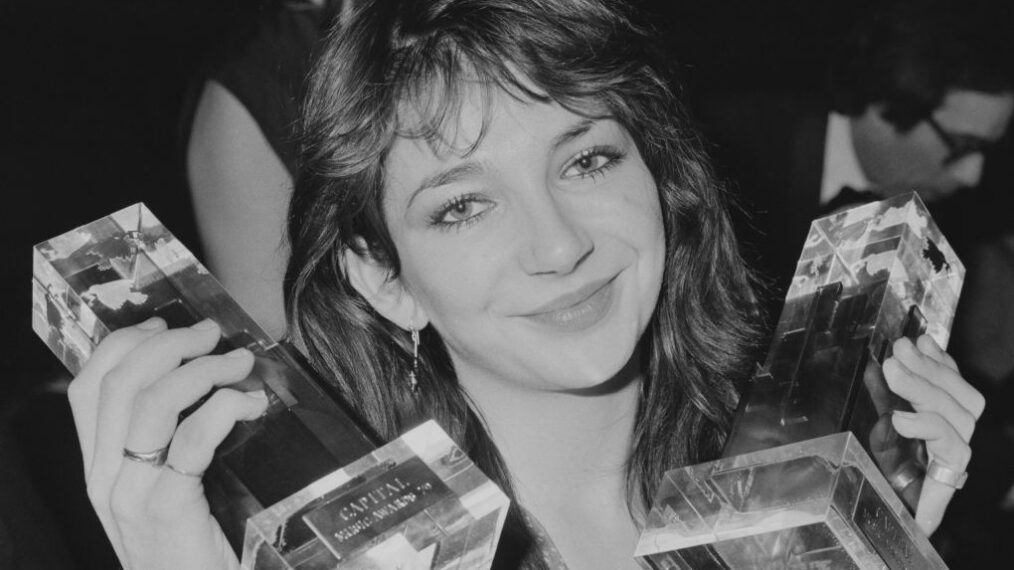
(474, 118)
(453, 111)
(977, 113)
(446, 119)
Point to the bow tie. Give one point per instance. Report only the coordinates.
(846, 198)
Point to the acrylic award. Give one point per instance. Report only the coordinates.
(813, 474)
(303, 486)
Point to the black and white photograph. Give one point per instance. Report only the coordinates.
(508, 285)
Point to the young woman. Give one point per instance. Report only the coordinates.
(516, 183)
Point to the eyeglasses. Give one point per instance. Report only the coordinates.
(959, 146)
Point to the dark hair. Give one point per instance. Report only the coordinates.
(908, 53)
(587, 55)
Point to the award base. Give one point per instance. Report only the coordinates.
(415, 503)
(815, 504)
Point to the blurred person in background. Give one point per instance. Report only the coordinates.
(241, 149)
(919, 97)
(919, 94)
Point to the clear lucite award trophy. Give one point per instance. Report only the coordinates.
(813, 474)
(303, 486)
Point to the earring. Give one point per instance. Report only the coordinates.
(413, 382)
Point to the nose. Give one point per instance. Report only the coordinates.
(555, 241)
(968, 170)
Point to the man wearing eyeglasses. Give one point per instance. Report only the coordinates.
(919, 95)
(936, 156)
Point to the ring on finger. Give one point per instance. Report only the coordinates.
(154, 458)
(946, 475)
(184, 472)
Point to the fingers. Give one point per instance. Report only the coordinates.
(83, 392)
(927, 360)
(946, 409)
(157, 408)
(943, 444)
(130, 395)
(926, 396)
(150, 360)
(102, 398)
(174, 511)
(930, 348)
(194, 444)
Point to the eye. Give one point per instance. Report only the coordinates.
(592, 162)
(460, 211)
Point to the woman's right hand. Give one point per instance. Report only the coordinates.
(129, 396)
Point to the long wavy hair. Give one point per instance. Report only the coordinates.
(586, 55)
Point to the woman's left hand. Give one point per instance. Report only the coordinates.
(946, 409)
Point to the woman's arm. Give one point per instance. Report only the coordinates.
(241, 193)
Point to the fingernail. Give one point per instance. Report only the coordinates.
(904, 415)
(151, 324)
(237, 353)
(261, 398)
(258, 395)
(205, 325)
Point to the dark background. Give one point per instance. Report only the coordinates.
(93, 91)
(91, 98)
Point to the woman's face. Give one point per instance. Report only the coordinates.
(538, 256)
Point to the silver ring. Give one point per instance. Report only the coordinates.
(184, 472)
(945, 475)
(154, 458)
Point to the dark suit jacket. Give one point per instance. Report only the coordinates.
(769, 147)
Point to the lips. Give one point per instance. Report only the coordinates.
(577, 310)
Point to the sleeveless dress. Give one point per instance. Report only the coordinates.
(264, 62)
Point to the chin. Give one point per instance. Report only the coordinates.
(600, 370)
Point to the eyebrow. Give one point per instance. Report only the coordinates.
(449, 176)
(575, 131)
(472, 167)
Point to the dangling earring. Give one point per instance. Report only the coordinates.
(413, 382)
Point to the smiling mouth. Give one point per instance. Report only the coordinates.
(578, 310)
